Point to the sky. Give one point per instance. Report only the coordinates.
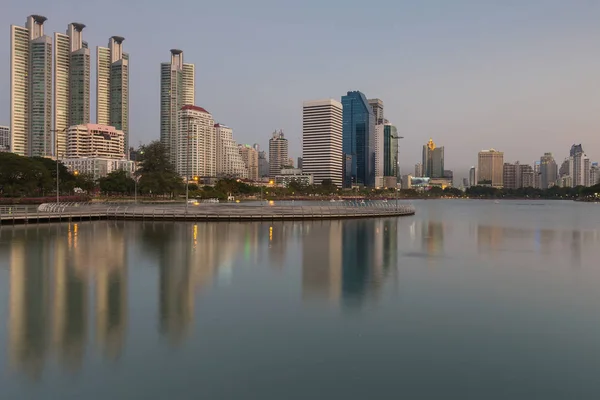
(520, 76)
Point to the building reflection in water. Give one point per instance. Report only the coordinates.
(348, 261)
(53, 271)
(432, 233)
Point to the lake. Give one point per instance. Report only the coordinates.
(465, 300)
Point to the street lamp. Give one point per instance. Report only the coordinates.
(56, 131)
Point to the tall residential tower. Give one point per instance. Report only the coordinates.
(112, 87)
(31, 88)
(176, 90)
(71, 83)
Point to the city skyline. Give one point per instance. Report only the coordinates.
(488, 110)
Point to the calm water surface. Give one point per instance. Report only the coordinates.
(465, 300)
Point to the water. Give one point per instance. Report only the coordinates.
(465, 300)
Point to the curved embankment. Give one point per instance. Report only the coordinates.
(202, 212)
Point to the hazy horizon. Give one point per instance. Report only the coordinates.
(519, 77)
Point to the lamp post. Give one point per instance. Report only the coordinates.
(396, 167)
(135, 183)
(56, 131)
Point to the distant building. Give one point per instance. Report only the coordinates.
(527, 176)
(377, 106)
(300, 163)
(4, 138)
(288, 175)
(511, 176)
(31, 89)
(98, 167)
(250, 159)
(473, 177)
(263, 164)
(548, 171)
(229, 162)
(579, 167)
(594, 174)
(322, 140)
(95, 141)
(112, 86)
(177, 89)
(490, 168)
(358, 140)
(278, 153)
(433, 160)
(419, 169)
(195, 151)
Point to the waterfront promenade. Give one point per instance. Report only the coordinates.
(52, 212)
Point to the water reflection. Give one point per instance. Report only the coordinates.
(69, 284)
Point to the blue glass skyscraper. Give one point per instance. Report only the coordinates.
(358, 140)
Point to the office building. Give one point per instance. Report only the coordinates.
(491, 168)
(195, 143)
(228, 158)
(473, 177)
(71, 83)
(548, 171)
(594, 174)
(93, 140)
(386, 152)
(112, 86)
(433, 160)
(377, 107)
(322, 140)
(511, 176)
(31, 89)
(176, 90)
(527, 176)
(289, 175)
(278, 153)
(358, 140)
(250, 159)
(4, 138)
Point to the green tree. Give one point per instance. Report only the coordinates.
(117, 182)
(85, 182)
(156, 174)
(23, 176)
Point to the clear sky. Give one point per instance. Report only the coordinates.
(520, 76)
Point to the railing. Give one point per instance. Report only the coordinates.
(280, 211)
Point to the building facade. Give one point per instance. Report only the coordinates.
(548, 171)
(228, 158)
(579, 166)
(473, 176)
(250, 159)
(112, 86)
(491, 168)
(322, 140)
(358, 140)
(289, 175)
(95, 141)
(177, 89)
(31, 89)
(71, 83)
(4, 138)
(433, 160)
(278, 153)
(377, 107)
(419, 170)
(195, 143)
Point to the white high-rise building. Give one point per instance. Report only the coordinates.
(379, 145)
(579, 167)
(322, 140)
(176, 91)
(31, 89)
(195, 143)
(229, 160)
(71, 83)
(112, 87)
(4, 138)
(278, 153)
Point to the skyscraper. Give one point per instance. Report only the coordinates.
(358, 140)
(490, 168)
(433, 160)
(579, 166)
(250, 159)
(112, 86)
(263, 164)
(195, 144)
(377, 106)
(278, 153)
(419, 170)
(473, 176)
(31, 88)
(4, 138)
(176, 90)
(548, 170)
(322, 140)
(386, 150)
(71, 83)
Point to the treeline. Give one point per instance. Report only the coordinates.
(555, 192)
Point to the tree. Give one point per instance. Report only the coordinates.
(156, 173)
(117, 182)
(85, 182)
(23, 176)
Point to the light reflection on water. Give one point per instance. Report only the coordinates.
(90, 296)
